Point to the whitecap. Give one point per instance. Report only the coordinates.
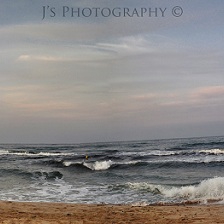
(212, 151)
(210, 189)
(99, 165)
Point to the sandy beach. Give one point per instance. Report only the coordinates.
(46, 213)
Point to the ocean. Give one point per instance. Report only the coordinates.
(187, 170)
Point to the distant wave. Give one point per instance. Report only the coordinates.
(128, 164)
(198, 144)
(164, 153)
(150, 153)
(114, 155)
(31, 154)
(212, 151)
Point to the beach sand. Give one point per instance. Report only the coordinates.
(49, 213)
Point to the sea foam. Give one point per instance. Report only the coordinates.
(212, 151)
(99, 165)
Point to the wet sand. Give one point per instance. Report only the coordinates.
(49, 213)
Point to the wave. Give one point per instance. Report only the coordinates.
(168, 153)
(100, 165)
(149, 153)
(32, 175)
(210, 190)
(47, 175)
(212, 151)
(103, 165)
(190, 163)
(183, 162)
(148, 156)
(120, 157)
(15, 172)
(199, 144)
(34, 154)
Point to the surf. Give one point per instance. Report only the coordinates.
(208, 190)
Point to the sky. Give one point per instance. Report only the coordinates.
(110, 77)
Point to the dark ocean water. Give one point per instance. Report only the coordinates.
(173, 171)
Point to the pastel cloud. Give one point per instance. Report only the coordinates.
(208, 92)
(39, 58)
(123, 47)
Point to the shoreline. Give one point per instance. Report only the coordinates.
(64, 213)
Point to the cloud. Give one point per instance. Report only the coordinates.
(53, 102)
(209, 92)
(128, 45)
(79, 54)
(202, 97)
(99, 51)
(33, 100)
(39, 58)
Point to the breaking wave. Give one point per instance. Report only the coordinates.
(172, 162)
(99, 165)
(103, 165)
(212, 151)
(210, 190)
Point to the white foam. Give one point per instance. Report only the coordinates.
(212, 151)
(99, 165)
(66, 163)
(50, 191)
(139, 204)
(129, 162)
(153, 188)
(4, 152)
(150, 153)
(69, 163)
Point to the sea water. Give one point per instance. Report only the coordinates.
(136, 172)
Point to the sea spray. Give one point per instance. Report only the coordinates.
(99, 165)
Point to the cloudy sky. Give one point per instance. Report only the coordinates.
(67, 79)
